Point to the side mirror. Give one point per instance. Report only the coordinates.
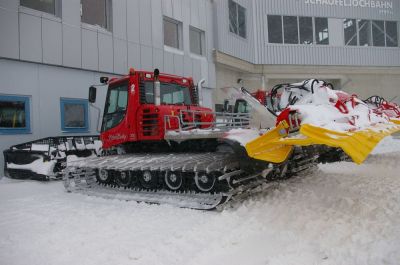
(103, 80)
(92, 94)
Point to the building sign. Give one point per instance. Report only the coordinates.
(386, 5)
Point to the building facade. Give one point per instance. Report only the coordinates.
(52, 51)
(352, 43)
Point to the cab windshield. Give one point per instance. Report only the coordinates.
(116, 104)
(170, 93)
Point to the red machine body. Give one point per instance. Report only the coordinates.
(130, 114)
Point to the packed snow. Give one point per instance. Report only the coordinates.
(38, 166)
(337, 110)
(340, 214)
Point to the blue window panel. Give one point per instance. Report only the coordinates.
(15, 117)
(74, 115)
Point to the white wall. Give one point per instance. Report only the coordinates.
(45, 85)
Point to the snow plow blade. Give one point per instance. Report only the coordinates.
(275, 146)
(270, 147)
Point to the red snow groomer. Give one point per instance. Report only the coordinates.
(162, 146)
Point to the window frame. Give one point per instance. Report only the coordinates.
(237, 20)
(57, 9)
(357, 44)
(202, 41)
(312, 30)
(179, 26)
(371, 43)
(314, 37)
(397, 31)
(284, 29)
(85, 103)
(108, 14)
(315, 32)
(26, 100)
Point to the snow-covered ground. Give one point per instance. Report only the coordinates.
(341, 214)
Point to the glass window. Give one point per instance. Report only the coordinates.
(74, 115)
(391, 34)
(48, 6)
(96, 12)
(242, 21)
(172, 35)
(321, 30)
(275, 29)
(116, 105)
(290, 29)
(148, 93)
(364, 32)
(306, 30)
(350, 32)
(170, 93)
(237, 19)
(196, 41)
(378, 33)
(14, 115)
(233, 27)
(175, 94)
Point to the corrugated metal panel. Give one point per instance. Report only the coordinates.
(134, 55)
(105, 43)
(9, 28)
(52, 41)
(157, 24)
(178, 64)
(72, 46)
(158, 59)
(90, 53)
(325, 55)
(194, 13)
(120, 56)
(146, 57)
(119, 19)
(145, 22)
(177, 9)
(133, 21)
(256, 49)
(136, 38)
(231, 43)
(30, 37)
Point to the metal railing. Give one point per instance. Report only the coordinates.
(191, 119)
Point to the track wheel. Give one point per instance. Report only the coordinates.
(173, 180)
(123, 178)
(103, 176)
(148, 179)
(204, 182)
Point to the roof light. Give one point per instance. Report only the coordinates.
(184, 80)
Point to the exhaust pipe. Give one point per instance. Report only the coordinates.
(199, 91)
(157, 88)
